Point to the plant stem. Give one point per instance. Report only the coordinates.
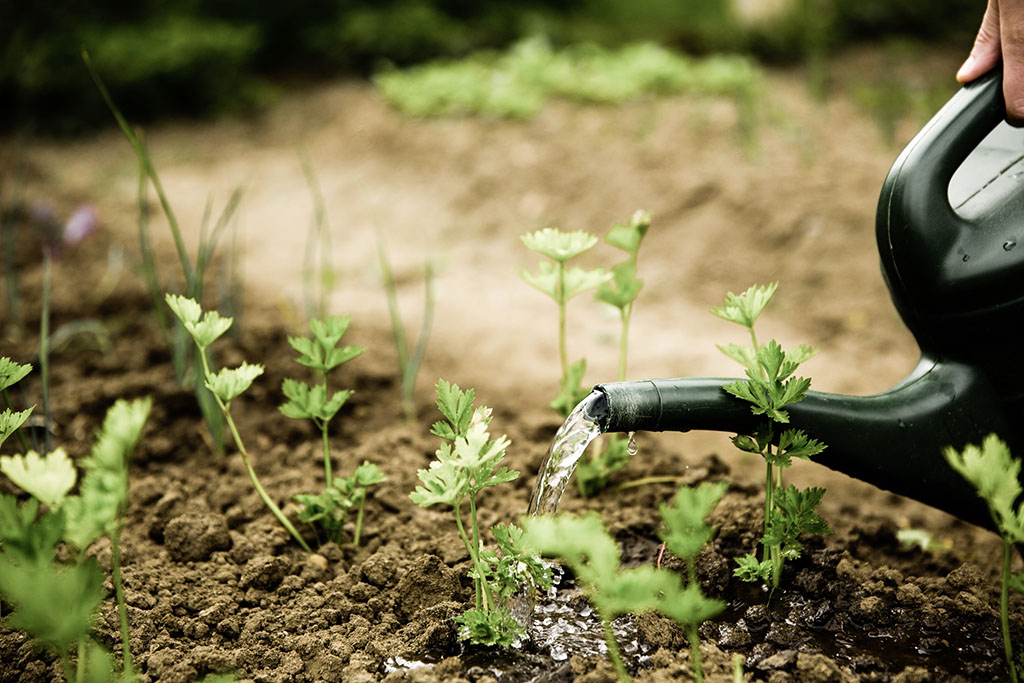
(327, 451)
(122, 609)
(357, 532)
(483, 592)
(65, 660)
(563, 351)
(613, 651)
(624, 315)
(695, 657)
(248, 465)
(1004, 609)
(44, 348)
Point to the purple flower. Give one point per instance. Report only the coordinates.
(83, 222)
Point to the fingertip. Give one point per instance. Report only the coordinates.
(966, 72)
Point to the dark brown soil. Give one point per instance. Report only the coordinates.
(215, 585)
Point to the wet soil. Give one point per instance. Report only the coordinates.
(215, 585)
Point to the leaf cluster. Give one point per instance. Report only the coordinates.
(686, 520)
(469, 460)
(56, 603)
(770, 386)
(330, 510)
(795, 514)
(995, 473)
(322, 353)
(12, 372)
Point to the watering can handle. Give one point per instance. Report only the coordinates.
(931, 255)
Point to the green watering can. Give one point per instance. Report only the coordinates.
(950, 231)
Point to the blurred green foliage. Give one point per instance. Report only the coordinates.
(196, 57)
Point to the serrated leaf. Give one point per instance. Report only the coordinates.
(455, 404)
(744, 355)
(187, 310)
(25, 535)
(686, 527)
(212, 326)
(11, 421)
(581, 542)
(47, 478)
(994, 473)
(443, 482)
(12, 372)
(557, 245)
(229, 383)
(330, 331)
(796, 444)
(800, 353)
(54, 605)
(545, 280)
(689, 606)
(750, 570)
(577, 280)
(368, 474)
(745, 308)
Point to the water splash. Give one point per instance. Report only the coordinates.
(571, 441)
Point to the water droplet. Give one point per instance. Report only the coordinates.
(967, 257)
(631, 447)
(1008, 245)
(1017, 176)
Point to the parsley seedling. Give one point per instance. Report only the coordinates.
(467, 462)
(770, 387)
(561, 283)
(996, 476)
(591, 553)
(56, 604)
(11, 420)
(621, 291)
(225, 386)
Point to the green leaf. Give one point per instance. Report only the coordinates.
(229, 383)
(444, 482)
(54, 605)
(686, 526)
(628, 237)
(794, 443)
(209, 329)
(745, 308)
(799, 506)
(744, 355)
(994, 473)
(578, 280)
(12, 372)
(368, 474)
(581, 542)
(11, 421)
(623, 288)
(456, 406)
(633, 591)
(49, 479)
(187, 310)
(689, 606)
(329, 332)
(25, 535)
(800, 354)
(544, 280)
(496, 628)
(557, 245)
(750, 570)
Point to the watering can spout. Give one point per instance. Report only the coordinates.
(893, 440)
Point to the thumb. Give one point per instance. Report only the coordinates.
(1012, 37)
(985, 52)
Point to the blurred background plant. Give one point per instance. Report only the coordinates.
(203, 57)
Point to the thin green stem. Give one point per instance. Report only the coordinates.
(624, 315)
(357, 533)
(80, 664)
(248, 465)
(122, 608)
(563, 351)
(328, 475)
(65, 660)
(614, 653)
(44, 348)
(1004, 609)
(483, 592)
(644, 481)
(696, 662)
(476, 546)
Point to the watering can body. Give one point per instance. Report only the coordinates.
(949, 220)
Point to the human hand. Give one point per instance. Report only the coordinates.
(1001, 36)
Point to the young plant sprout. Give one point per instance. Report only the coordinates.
(56, 604)
(592, 555)
(996, 475)
(10, 419)
(467, 462)
(621, 291)
(330, 509)
(770, 387)
(225, 386)
(561, 283)
(409, 359)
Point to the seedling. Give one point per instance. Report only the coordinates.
(591, 553)
(225, 386)
(330, 509)
(10, 419)
(621, 291)
(56, 604)
(770, 387)
(409, 359)
(996, 475)
(561, 283)
(321, 354)
(467, 462)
